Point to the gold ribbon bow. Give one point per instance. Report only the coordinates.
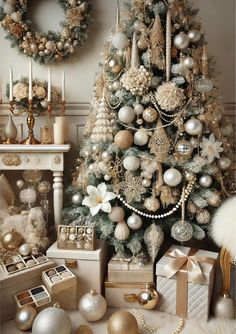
(186, 267)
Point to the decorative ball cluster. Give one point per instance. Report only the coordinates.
(169, 96)
(137, 80)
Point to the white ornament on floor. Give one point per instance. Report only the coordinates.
(92, 306)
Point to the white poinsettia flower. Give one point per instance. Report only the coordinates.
(98, 199)
(211, 148)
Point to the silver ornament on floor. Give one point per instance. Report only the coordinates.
(77, 198)
(134, 222)
(193, 127)
(52, 320)
(172, 177)
(25, 317)
(25, 249)
(92, 306)
(181, 41)
(203, 217)
(224, 163)
(188, 62)
(205, 181)
(182, 231)
(131, 163)
(194, 35)
(126, 114)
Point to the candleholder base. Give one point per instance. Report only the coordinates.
(30, 140)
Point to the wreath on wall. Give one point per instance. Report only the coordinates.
(51, 46)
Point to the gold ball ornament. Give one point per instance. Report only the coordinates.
(148, 298)
(25, 317)
(150, 115)
(122, 322)
(192, 208)
(83, 329)
(11, 240)
(124, 139)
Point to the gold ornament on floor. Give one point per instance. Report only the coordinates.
(157, 43)
(159, 144)
(122, 322)
(11, 240)
(147, 298)
(83, 329)
(153, 238)
(169, 96)
(132, 187)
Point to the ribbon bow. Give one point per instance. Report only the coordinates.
(188, 262)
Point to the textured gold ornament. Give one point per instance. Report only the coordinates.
(123, 139)
(132, 187)
(157, 43)
(159, 143)
(11, 240)
(122, 322)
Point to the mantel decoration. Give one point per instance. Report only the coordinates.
(51, 46)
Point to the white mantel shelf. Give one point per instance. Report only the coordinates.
(8, 148)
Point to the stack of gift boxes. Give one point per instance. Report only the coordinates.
(76, 263)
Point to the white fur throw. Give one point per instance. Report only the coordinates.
(223, 227)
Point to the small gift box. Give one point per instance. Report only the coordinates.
(185, 278)
(76, 237)
(62, 285)
(128, 271)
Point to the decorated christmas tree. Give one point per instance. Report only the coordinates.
(156, 157)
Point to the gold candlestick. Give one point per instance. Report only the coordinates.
(30, 140)
(49, 109)
(63, 107)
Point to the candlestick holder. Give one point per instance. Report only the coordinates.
(30, 140)
(10, 131)
(63, 107)
(49, 109)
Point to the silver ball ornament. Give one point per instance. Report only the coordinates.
(182, 231)
(138, 108)
(205, 181)
(181, 41)
(126, 114)
(189, 62)
(119, 40)
(25, 249)
(146, 183)
(141, 138)
(172, 177)
(224, 163)
(52, 320)
(134, 222)
(183, 148)
(131, 163)
(193, 127)
(194, 35)
(77, 198)
(92, 306)
(25, 317)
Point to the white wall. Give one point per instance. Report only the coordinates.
(218, 21)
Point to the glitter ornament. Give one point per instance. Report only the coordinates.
(193, 127)
(131, 163)
(117, 214)
(134, 222)
(182, 231)
(126, 114)
(203, 85)
(121, 231)
(123, 139)
(92, 306)
(203, 217)
(141, 137)
(11, 240)
(205, 181)
(169, 96)
(153, 238)
(122, 322)
(150, 115)
(181, 41)
(172, 177)
(194, 35)
(152, 204)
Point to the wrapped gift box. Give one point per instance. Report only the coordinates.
(62, 285)
(14, 283)
(129, 272)
(88, 266)
(115, 293)
(185, 278)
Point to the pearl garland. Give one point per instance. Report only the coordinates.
(185, 192)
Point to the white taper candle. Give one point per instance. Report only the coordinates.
(49, 84)
(11, 85)
(63, 86)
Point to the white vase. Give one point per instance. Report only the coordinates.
(10, 131)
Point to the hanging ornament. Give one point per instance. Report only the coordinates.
(138, 108)
(182, 230)
(146, 182)
(121, 231)
(166, 196)
(203, 217)
(184, 149)
(152, 204)
(150, 115)
(169, 96)
(172, 177)
(77, 198)
(122, 322)
(52, 320)
(181, 41)
(215, 199)
(205, 181)
(115, 65)
(194, 142)
(134, 222)
(25, 317)
(123, 139)
(119, 39)
(141, 137)
(190, 176)
(148, 298)
(203, 85)
(224, 163)
(153, 238)
(25, 249)
(194, 35)
(159, 143)
(126, 114)
(11, 240)
(106, 156)
(117, 214)
(131, 163)
(143, 41)
(189, 63)
(92, 306)
(157, 43)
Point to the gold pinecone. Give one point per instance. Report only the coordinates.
(17, 30)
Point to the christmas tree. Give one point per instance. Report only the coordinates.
(156, 157)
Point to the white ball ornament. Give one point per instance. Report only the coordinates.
(126, 114)
(117, 214)
(172, 177)
(138, 108)
(134, 222)
(131, 163)
(119, 40)
(193, 127)
(52, 320)
(146, 183)
(205, 181)
(224, 163)
(25, 249)
(194, 35)
(77, 198)
(141, 138)
(181, 41)
(121, 231)
(188, 62)
(106, 156)
(92, 306)
(20, 183)
(152, 204)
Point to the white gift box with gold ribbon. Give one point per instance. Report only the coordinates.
(185, 278)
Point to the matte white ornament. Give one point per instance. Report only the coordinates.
(134, 222)
(141, 137)
(194, 35)
(181, 41)
(126, 114)
(205, 181)
(25, 249)
(131, 163)
(121, 231)
(224, 308)
(138, 108)
(52, 320)
(172, 177)
(117, 214)
(92, 306)
(119, 40)
(193, 127)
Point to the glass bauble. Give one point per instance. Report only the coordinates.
(183, 148)
(148, 298)
(182, 231)
(25, 317)
(134, 222)
(205, 181)
(172, 177)
(193, 127)
(203, 85)
(92, 306)
(181, 41)
(194, 35)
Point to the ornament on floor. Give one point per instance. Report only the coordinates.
(134, 221)
(11, 240)
(92, 306)
(122, 322)
(52, 320)
(169, 96)
(10, 131)
(122, 231)
(147, 298)
(153, 238)
(25, 317)
(83, 329)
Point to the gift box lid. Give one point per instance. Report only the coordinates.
(95, 255)
(55, 281)
(207, 268)
(125, 265)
